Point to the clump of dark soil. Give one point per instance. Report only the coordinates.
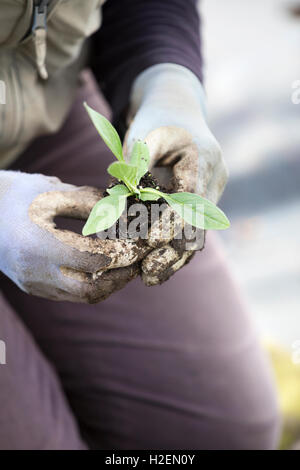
(147, 181)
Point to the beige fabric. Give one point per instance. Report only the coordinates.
(38, 97)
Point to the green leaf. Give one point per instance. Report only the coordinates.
(198, 211)
(104, 214)
(124, 172)
(140, 157)
(149, 196)
(119, 190)
(107, 132)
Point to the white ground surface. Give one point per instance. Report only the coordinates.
(252, 54)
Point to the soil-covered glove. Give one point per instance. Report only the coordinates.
(52, 263)
(168, 112)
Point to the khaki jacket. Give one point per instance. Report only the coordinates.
(39, 67)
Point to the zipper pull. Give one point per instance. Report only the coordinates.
(39, 30)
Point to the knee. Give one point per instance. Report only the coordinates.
(251, 434)
(254, 422)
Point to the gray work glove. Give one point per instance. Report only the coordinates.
(168, 112)
(58, 264)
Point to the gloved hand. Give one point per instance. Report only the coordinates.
(52, 263)
(168, 112)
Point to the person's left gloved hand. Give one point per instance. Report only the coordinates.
(53, 263)
(168, 112)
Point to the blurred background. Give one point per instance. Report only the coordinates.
(252, 56)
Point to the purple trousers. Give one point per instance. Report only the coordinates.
(178, 366)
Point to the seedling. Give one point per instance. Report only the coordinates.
(194, 209)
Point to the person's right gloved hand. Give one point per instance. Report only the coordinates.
(168, 112)
(58, 264)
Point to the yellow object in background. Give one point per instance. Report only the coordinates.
(287, 373)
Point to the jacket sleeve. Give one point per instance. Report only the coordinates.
(136, 34)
